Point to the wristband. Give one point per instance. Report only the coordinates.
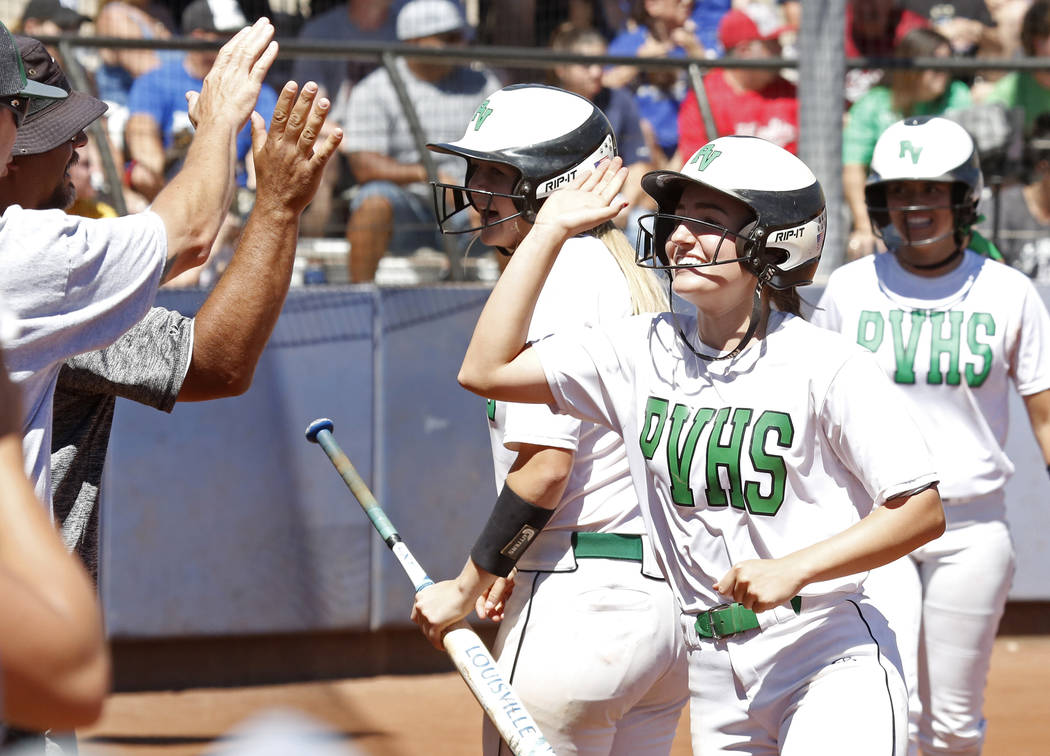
(512, 526)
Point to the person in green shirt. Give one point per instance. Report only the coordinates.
(910, 92)
(1029, 90)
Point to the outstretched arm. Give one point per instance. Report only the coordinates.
(194, 203)
(54, 665)
(235, 322)
(498, 364)
(889, 532)
(539, 476)
(1038, 406)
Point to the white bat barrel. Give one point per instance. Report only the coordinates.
(495, 695)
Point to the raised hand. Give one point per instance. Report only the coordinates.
(589, 201)
(289, 161)
(232, 86)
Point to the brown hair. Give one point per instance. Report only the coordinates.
(785, 300)
(1035, 25)
(918, 43)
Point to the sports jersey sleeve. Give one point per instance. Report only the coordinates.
(588, 374)
(867, 427)
(566, 302)
(148, 364)
(1030, 362)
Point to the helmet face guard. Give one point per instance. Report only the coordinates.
(654, 234)
(452, 199)
(962, 206)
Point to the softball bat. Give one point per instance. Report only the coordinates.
(467, 651)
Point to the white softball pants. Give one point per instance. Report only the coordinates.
(826, 682)
(597, 658)
(964, 578)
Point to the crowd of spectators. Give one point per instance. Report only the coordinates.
(375, 193)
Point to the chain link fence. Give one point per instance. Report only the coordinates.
(398, 118)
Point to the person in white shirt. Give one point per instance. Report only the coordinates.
(954, 330)
(76, 284)
(589, 638)
(773, 466)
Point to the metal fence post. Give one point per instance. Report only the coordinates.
(451, 247)
(821, 94)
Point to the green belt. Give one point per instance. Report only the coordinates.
(730, 619)
(607, 546)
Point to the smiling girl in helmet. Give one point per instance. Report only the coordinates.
(954, 330)
(773, 465)
(589, 638)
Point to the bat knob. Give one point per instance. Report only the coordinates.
(321, 424)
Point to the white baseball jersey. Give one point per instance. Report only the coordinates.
(585, 288)
(954, 343)
(755, 457)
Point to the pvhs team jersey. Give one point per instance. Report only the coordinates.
(953, 343)
(585, 288)
(756, 457)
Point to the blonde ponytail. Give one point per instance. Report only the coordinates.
(647, 293)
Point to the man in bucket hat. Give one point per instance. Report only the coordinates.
(50, 136)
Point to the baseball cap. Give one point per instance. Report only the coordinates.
(13, 80)
(52, 10)
(216, 16)
(737, 27)
(425, 18)
(50, 123)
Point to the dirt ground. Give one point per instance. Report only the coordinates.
(436, 714)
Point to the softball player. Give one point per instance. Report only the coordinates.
(589, 637)
(953, 330)
(773, 465)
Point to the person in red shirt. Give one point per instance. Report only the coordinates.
(874, 28)
(744, 101)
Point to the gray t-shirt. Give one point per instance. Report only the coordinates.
(74, 285)
(148, 365)
(1023, 239)
(373, 120)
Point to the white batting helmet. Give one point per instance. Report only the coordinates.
(783, 241)
(548, 135)
(926, 148)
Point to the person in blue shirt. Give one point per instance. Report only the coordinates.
(662, 29)
(159, 130)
